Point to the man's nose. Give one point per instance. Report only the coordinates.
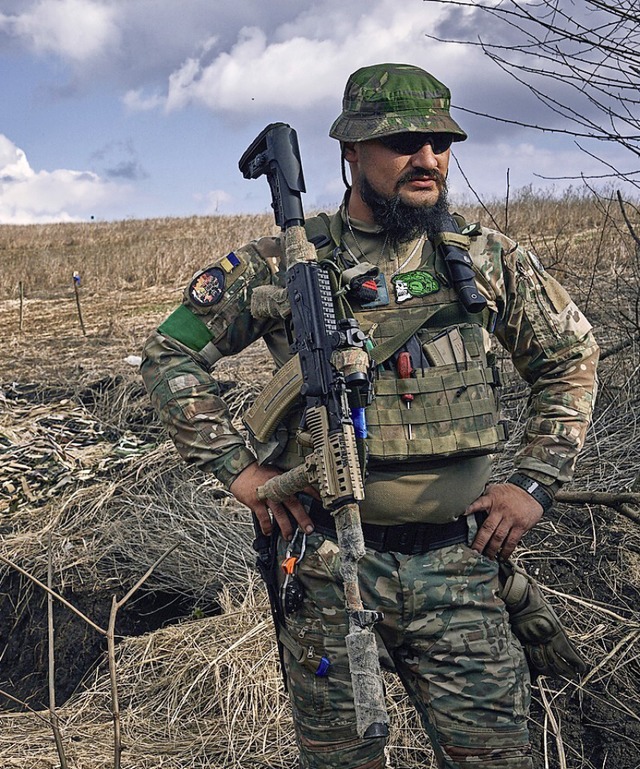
(425, 157)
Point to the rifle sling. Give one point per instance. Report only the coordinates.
(449, 315)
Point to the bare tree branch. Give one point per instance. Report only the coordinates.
(53, 713)
(627, 503)
(475, 194)
(626, 219)
(580, 61)
(109, 633)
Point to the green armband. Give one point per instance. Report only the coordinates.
(187, 328)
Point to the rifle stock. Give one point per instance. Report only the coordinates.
(333, 362)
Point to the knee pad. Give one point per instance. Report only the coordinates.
(535, 624)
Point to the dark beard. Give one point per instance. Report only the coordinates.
(401, 221)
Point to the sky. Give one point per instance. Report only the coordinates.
(116, 109)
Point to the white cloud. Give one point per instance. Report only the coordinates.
(72, 29)
(137, 101)
(211, 54)
(216, 201)
(14, 165)
(248, 63)
(37, 197)
(298, 68)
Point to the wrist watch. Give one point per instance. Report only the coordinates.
(535, 489)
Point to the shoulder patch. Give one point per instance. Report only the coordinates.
(207, 288)
(229, 262)
(472, 230)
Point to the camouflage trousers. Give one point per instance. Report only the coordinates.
(451, 644)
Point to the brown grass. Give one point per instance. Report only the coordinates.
(88, 462)
(131, 254)
(569, 232)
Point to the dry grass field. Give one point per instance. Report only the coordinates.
(92, 492)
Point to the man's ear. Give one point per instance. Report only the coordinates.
(349, 152)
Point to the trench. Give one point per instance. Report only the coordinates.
(24, 654)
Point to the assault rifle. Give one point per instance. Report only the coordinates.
(334, 365)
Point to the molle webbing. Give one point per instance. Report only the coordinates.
(284, 388)
(452, 239)
(453, 413)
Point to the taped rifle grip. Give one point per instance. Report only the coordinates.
(366, 679)
(362, 649)
(297, 247)
(280, 487)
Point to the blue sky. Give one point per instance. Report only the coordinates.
(141, 108)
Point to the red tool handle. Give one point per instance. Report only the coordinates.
(404, 369)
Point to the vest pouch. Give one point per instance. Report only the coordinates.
(454, 412)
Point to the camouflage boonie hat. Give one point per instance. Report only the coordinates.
(386, 99)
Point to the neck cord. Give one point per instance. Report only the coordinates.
(418, 244)
(355, 240)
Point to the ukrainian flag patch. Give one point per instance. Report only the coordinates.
(229, 262)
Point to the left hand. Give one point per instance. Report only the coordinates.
(512, 512)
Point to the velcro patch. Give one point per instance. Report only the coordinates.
(187, 328)
(207, 288)
(229, 262)
(414, 283)
(182, 382)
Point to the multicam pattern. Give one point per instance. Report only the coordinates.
(548, 337)
(553, 349)
(440, 610)
(186, 397)
(444, 627)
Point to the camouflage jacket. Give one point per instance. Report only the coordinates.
(548, 338)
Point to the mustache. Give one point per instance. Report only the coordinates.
(402, 221)
(421, 174)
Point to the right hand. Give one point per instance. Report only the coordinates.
(244, 490)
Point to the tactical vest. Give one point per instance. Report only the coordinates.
(453, 393)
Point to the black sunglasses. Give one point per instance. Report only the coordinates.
(410, 142)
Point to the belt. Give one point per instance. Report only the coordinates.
(405, 538)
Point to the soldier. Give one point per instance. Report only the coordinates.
(437, 531)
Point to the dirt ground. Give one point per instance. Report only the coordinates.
(587, 557)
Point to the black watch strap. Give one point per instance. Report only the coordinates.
(535, 489)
